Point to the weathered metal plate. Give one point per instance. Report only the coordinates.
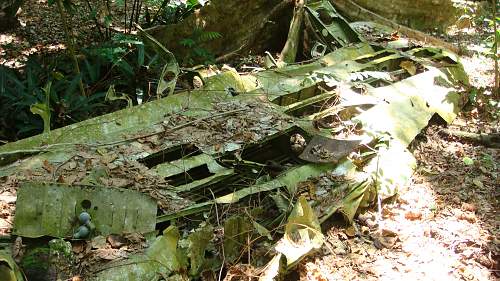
(330, 26)
(325, 150)
(52, 209)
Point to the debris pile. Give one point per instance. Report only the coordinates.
(234, 177)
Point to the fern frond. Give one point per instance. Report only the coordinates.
(209, 36)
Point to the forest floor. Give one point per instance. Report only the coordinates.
(443, 226)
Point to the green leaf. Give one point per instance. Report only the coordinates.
(468, 161)
(302, 233)
(198, 243)
(281, 202)
(209, 36)
(108, 20)
(188, 42)
(57, 75)
(140, 54)
(125, 67)
(69, 6)
(164, 250)
(162, 258)
(473, 96)
(9, 270)
(43, 109)
(262, 230)
(111, 95)
(236, 231)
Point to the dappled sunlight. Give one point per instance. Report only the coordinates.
(171, 140)
(441, 226)
(434, 241)
(19, 52)
(7, 39)
(429, 240)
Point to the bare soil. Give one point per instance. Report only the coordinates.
(445, 224)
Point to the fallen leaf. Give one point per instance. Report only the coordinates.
(116, 241)
(60, 179)
(18, 249)
(470, 217)
(395, 36)
(350, 231)
(456, 200)
(98, 242)
(478, 182)
(413, 215)
(78, 247)
(469, 207)
(385, 239)
(47, 166)
(134, 238)
(409, 67)
(110, 254)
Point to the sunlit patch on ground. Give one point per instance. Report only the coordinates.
(443, 226)
(434, 241)
(16, 53)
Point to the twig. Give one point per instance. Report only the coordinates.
(157, 14)
(496, 90)
(54, 174)
(139, 12)
(125, 2)
(95, 20)
(218, 224)
(69, 41)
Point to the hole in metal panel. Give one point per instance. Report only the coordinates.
(194, 174)
(170, 154)
(86, 204)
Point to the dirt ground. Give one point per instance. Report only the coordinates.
(443, 226)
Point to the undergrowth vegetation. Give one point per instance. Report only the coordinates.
(122, 65)
(116, 72)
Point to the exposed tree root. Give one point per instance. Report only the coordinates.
(488, 140)
(356, 12)
(289, 52)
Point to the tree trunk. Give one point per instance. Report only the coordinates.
(8, 11)
(256, 26)
(359, 13)
(425, 15)
(245, 26)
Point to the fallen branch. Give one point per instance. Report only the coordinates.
(488, 140)
(356, 12)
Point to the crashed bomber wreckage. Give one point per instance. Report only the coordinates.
(331, 132)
